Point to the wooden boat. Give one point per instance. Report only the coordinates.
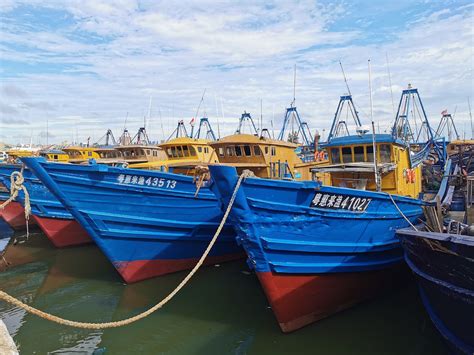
(318, 249)
(443, 264)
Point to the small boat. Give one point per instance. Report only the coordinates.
(54, 155)
(443, 264)
(318, 249)
(49, 214)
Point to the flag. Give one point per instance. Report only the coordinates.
(445, 112)
(192, 121)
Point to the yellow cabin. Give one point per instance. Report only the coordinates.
(136, 154)
(459, 146)
(351, 164)
(267, 158)
(55, 155)
(109, 156)
(183, 154)
(78, 155)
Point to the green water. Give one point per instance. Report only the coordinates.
(222, 311)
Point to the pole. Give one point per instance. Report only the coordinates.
(374, 145)
(470, 115)
(390, 83)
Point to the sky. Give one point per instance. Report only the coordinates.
(73, 69)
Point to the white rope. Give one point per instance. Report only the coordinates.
(399, 210)
(10, 299)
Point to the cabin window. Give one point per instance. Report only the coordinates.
(155, 153)
(359, 154)
(55, 157)
(147, 152)
(180, 152)
(186, 151)
(229, 151)
(384, 151)
(169, 152)
(247, 151)
(142, 152)
(266, 150)
(238, 151)
(370, 153)
(346, 155)
(206, 149)
(256, 150)
(200, 149)
(89, 154)
(335, 157)
(221, 151)
(273, 151)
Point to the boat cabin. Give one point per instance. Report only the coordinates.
(183, 154)
(78, 155)
(134, 153)
(266, 157)
(55, 155)
(109, 156)
(351, 164)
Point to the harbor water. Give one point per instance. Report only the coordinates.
(221, 311)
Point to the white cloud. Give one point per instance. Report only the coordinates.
(240, 52)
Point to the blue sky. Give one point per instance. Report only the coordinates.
(85, 65)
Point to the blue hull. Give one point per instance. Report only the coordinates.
(301, 229)
(43, 202)
(444, 267)
(147, 223)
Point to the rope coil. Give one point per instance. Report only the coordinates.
(16, 185)
(12, 300)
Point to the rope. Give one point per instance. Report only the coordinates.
(10, 299)
(201, 174)
(400, 211)
(16, 185)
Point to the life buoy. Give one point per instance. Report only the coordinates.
(410, 176)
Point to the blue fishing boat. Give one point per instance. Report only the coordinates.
(49, 214)
(148, 223)
(443, 265)
(319, 249)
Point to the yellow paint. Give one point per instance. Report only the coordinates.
(267, 158)
(57, 156)
(79, 155)
(396, 181)
(182, 155)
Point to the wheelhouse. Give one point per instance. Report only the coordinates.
(55, 155)
(182, 155)
(134, 154)
(79, 155)
(351, 164)
(267, 158)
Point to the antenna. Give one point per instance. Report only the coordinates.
(294, 86)
(149, 113)
(200, 102)
(161, 124)
(390, 83)
(125, 123)
(345, 79)
(217, 116)
(470, 115)
(261, 116)
(223, 119)
(374, 145)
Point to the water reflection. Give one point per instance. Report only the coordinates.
(222, 310)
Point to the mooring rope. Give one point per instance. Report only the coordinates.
(16, 185)
(10, 299)
(400, 211)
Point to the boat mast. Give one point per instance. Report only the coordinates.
(374, 145)
(470, 115)
(197, 112)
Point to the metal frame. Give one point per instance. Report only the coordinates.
(204, 123)
(339, 125)
(303, 128)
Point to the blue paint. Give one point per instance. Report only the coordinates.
(137, 222)
(281, 232)
(43, 203)
(443, 265)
